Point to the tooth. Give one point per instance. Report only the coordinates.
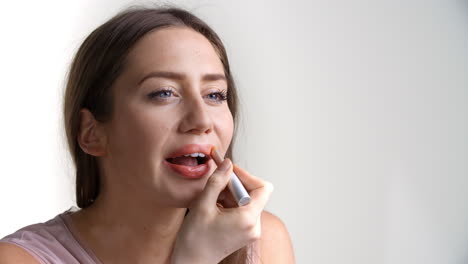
(194, 155)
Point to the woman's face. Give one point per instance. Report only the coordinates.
(155, 116)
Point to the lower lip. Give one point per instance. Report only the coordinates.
(190, 172)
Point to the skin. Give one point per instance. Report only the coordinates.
(142, 202)
(142, 134)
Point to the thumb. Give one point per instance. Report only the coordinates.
(215, 185)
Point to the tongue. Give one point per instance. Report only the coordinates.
(187, 161)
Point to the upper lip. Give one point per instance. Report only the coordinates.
(192, 148)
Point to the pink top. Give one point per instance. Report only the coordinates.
(54, 241)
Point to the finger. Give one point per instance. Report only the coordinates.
(249, 181)
(222, 195)
(259, 190)
(215, 184)
(226, 199)
(260, 196)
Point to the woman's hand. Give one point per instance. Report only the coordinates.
(210, 233)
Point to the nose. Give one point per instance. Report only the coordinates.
(197, 119)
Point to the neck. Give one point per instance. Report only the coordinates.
(116, 227)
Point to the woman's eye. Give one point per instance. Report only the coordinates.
(163, 94)
(218, 97)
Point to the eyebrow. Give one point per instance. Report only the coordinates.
(181, 76)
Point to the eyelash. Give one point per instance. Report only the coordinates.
(221, 93)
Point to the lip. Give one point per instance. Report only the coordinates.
(192, 148)
(191, 172)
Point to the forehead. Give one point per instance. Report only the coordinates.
(178, 49)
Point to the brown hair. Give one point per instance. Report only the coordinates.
(97, 64)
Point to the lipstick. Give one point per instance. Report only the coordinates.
(235, 186)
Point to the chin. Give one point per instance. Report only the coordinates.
(180, 193)
(181, 203)
(183, 199)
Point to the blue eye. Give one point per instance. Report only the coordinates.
(165, 93)
(219, 96)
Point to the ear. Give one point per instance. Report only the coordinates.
(91, 135)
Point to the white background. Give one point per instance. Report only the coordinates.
(355, 110)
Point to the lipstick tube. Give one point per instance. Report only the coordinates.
(235, 186)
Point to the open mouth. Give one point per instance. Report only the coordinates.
(189, 160)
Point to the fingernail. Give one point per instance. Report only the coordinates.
(225, 165)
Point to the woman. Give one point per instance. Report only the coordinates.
(146, 88)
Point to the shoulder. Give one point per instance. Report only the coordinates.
(275, 244)
(10, 253)
(33, 243)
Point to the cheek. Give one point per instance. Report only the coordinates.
(226, 128)
(138, 131)
(152, 128)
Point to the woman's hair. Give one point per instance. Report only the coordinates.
(99, 61)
